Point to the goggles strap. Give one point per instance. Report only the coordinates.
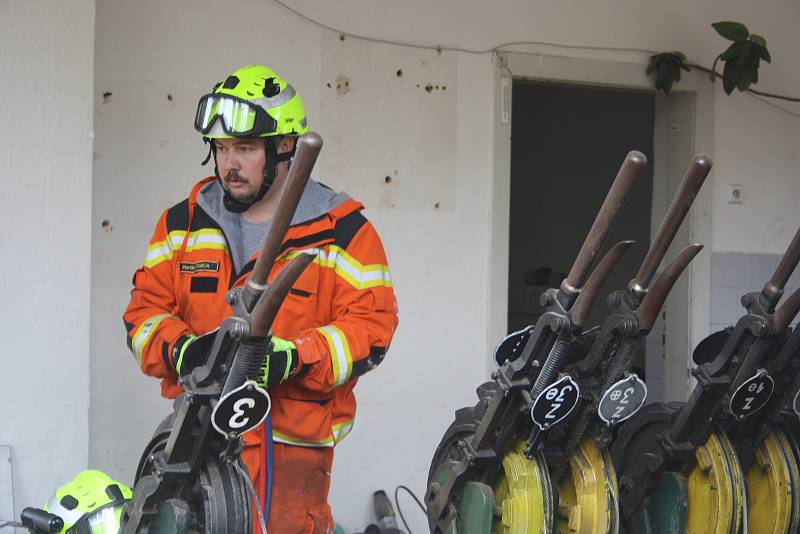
(207, 141)
(271, 168)
(273, 159)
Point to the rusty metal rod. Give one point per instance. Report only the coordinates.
(773, 290)
(270, 302)
(654, 300)
(787, 312)
(308, 148)
(583, 304)
(623, 184)
(687, 191)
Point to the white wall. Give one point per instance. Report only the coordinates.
(437, 147)
(45, 166)
(757, 147)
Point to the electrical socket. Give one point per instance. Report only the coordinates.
(734, 194)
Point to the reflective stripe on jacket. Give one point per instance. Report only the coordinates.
(341, 313)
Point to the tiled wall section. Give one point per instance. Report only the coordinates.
(734, 274)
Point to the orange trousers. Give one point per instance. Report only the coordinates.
(300, 485)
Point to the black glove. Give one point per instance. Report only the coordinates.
(191, 352)
(280, 362)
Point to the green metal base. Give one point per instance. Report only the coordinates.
(667, 508)
(172, 518)
(476, 510)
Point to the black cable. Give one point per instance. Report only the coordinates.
(400, 511)
(496, 49)
(12, 524)
(441, 48)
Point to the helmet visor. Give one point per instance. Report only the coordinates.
(236, 116)
(106, 520)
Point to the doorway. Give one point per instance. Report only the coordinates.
(567, 143)
(683, 126)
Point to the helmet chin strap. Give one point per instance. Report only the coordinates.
(270, 172)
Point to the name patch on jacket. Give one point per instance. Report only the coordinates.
(204, 284)
(199, 267)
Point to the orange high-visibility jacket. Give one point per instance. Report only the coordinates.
(341, 313)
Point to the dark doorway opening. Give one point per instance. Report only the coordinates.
(567, 143)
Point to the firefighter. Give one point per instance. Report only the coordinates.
(335, 324)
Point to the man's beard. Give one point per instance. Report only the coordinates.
(242, 195)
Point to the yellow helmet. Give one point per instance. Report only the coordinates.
(91, 503)
(252, 102)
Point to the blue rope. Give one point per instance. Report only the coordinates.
(270, 467)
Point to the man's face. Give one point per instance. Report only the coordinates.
(241, 166)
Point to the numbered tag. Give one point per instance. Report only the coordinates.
(752, 395)
(622, 400)
(555, 403)
(511, 346)
(241, 410)
(796, 403)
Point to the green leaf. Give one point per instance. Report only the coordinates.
(732, 51)
(751, 72)
(665, 76)
(733, 31)
(729, 76)
(746, 78)
(763, 53)
(757, 39)
(743, 82)
(746, 65)
(662, 77)
(675, 71)
(748, 53)
(742, 71)
(667, 67)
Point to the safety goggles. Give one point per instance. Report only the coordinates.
(238, 117)
(105, 521)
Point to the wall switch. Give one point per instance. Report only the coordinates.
(734, 194)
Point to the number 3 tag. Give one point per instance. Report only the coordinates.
(622, 400)
(555, 403)
(241, 410)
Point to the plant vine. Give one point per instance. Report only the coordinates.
(740, 63)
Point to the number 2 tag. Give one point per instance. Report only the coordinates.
(241, 410)
(555, 403)
(622, 400)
